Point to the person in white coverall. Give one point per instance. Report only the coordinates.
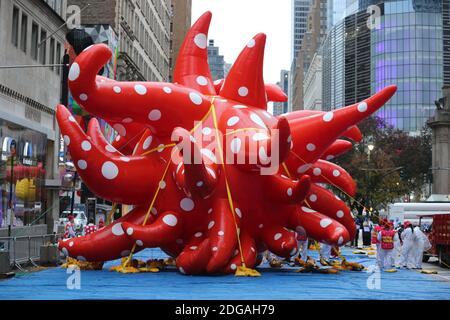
(325, 251)
(302, 243)
(421, 244)
(407, 257)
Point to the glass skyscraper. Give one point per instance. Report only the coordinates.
(408, 46)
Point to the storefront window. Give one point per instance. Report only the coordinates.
(26, 174)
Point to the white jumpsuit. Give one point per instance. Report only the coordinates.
(325, 251)
(302, 245)
(407, 258)
(421, 244)
(387, 256)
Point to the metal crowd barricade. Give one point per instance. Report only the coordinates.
(26, 249)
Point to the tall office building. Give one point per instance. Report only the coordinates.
(312, 40)
(143, 30)
(216, 61)
(32, 35)
(282, 107)
(408, 46)
(300, 10)
(180, 24)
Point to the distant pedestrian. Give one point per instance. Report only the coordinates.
(69, 229)
(302, 243)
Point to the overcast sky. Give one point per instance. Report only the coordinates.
(235, 22)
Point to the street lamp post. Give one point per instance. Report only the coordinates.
(12, 152)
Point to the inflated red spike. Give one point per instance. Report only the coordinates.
(245, 82)
(153, 103)
(285, 190)
(106, 173)
(249, 251)
(319, 226)
(329, 173)
(324, 201)
(167, 228)
(279, 241)
(313, 135)
(191, 68)
(98, 138)
(275, 94)
(339, 147)
(354, 134)
(194, 257)
(222, 234)
(112, 239)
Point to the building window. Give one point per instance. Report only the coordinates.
(43, 47)
(52, 53)
(15, 27)
(34, 41)
(58, 57)
(24, 33)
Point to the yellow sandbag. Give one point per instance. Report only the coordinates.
(242, 271)
(390, 270)
(427, 271)
(83, 265)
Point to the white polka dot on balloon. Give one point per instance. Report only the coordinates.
(154, 115)
(340, 214)
(109, 170)
(200, 40)
(289, 192)
(140, 89)
(83, 97)
(211, 225)
(243, 91)
(310, 147)
(167, 90)
(336, 173)
(187, 204)
(74, 72)
(196, 98)
(327, 117)
(147, 143)
(82, 164)
(325, 222)
(206, 131)
(257, 119)
(170, 220)
(238, 212)
(86, 146)
(117, 229)
(202, 81)
(277, 236)
(313, 198)
(67, 140)
(117, 89)
(251, 43)
(233, 121)
(233, 266)
(362, 107)
(317, 171)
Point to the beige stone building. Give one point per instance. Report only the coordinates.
(311, 42)
(32, 37)
(181, 22)
(143, 30)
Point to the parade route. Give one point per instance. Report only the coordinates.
(275, 284)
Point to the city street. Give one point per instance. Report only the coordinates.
(283, 283)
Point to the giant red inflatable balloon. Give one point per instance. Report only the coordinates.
(172, 140)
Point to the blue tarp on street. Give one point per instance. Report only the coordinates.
(274, 284)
